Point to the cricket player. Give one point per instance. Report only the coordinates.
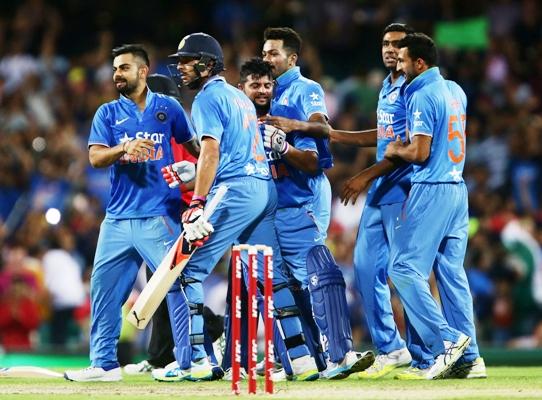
(383, 205)
(131, 136)
(297, 164)
(432, 229)
(232, 153)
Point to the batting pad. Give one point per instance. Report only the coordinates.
(327, 289)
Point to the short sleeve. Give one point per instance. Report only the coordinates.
(207, 115)
(421, 116)
(312, 100)
(304, 143)
(100, 131)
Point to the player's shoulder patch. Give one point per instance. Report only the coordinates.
(161, 116)
(393, 96)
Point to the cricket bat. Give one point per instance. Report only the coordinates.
(167, 272)
(28, 372)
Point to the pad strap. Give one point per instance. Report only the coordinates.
(196, 308)
(286, 312)
(197, 339)
(294, 341)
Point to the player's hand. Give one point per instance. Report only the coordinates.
(393, 147)
(178, 173)
(354, 186)
(138, 147)
(284, 124)
(196, 228)
(275, 139)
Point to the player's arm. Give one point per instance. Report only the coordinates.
(317, 125)
(361, 181)
(365, 138)
(207, 165)
(417, 151)
(101, 156)
(304, 160)
(319, 128)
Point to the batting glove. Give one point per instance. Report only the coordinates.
(179, 173)
(275, 139)
(196, 228)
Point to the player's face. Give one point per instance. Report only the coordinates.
(406, 65)
(128, 73)
(259, 89)
(274, 53)
(390, 49)
(189, 76)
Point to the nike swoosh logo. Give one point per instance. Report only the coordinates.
(120, 121)
(168, 243)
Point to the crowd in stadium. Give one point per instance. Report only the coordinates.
(52, 201)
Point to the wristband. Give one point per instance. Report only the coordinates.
(199, 198)
(124, 146)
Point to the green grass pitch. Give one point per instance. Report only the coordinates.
(503, 383)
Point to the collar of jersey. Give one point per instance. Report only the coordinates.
(212, 80)
(425, 78)
(129, 102)
(289, 76)
(390, 86)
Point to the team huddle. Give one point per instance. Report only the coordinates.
(267, 140)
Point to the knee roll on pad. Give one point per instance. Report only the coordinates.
(329, 306)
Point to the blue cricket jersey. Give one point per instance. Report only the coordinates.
(391, 122)
(137, 187)
(226, 114)
(437, 107)
(297, 97)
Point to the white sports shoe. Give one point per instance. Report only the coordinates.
(140, 368)
(385, 363)
(94, 374)
(305, 369)
(453, 352)
(167, 373)
(353, 362)
(279, 375)
(203, 370)
(242, 374)
(443, 363)
(475, 369)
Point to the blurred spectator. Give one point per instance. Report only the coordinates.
(63, 280)
(22, 298)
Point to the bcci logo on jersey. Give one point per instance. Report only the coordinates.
(161, 116)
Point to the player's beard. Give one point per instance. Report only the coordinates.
(261, 109)
(128, 88)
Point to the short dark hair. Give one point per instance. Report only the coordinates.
(290, 38)
(257, 67)
(420, 46)
(398, 27)
(136, 49)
